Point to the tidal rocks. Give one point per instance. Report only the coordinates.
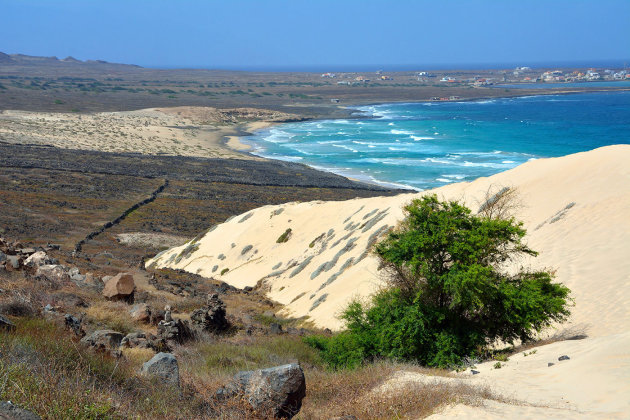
(276, 391)
(163, 366)
(120, 287)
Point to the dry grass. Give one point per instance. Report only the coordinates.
(110, 315)
(356, 393)
(43, 368)
(137, 356)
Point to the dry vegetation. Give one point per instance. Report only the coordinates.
(43, 368)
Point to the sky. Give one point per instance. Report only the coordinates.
(276, 34)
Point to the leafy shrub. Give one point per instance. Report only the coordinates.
(447, 297)
(284, 237)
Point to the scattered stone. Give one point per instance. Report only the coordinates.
(103, 340)
(171, 330)
(163, 366)
(27, 251)
(73, 323)
(92, 280)
(13, 261)
(550, 364)
(38, 258)
(278, 391)
(296, 331)
(52, 272)
(141, 312)
(212, 317)
(564, 357)
(9, 411)
(474, 372)
(76, 276)
(49, 308)
(120, 287)
(144, 341)
(6, 325)
(276, 328)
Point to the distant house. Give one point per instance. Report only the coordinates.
(386, 77)
(361, 79)
(334, 100)
(591, 74)
(329, 75)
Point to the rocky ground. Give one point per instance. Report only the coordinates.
(90, 333)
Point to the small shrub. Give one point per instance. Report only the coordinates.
(225, 270)
(284, 237)
(497, 365)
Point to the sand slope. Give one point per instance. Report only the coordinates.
(577, 212)
(575, 209)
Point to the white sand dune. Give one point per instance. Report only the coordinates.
(577, 212)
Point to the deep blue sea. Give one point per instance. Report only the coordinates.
(427, 145)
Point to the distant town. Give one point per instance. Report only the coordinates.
(519, 75)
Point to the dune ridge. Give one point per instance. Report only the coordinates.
(574, 209)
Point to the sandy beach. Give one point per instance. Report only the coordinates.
(180, 131)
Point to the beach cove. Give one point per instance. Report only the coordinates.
(430, 144)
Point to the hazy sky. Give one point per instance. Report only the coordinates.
(296, 33)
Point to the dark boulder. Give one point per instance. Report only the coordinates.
(276, 391)
(73, 323)
(276, 328)
(103, 340)
(163, 366)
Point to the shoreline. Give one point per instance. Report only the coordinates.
(233, 141)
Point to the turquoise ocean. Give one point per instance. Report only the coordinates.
(427, 145)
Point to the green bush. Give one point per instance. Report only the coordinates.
(284, 237)
(447, 297)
